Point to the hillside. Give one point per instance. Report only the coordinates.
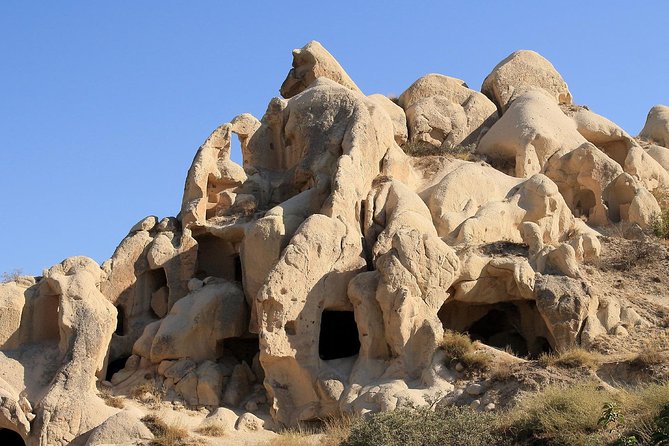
(481, 254)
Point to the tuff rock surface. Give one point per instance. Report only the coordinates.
(319, 277)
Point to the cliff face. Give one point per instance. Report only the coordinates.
(319, 277)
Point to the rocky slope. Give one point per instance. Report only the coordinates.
(319, 277)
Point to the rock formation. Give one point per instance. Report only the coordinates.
(319, 277)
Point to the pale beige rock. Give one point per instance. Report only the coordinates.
(71, 406)
(659, 154)
(119, 429)
(344, 255)
(248, 422)
(581, 176)
(601, 132)
(629, 201)
(209, 384)
(12, 302)
(397, 116)
(530, 132)
(442, 112)
(310, 63)
(197, 323)
(519, 72)
(656, 129)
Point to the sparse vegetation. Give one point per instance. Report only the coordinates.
(502, 371)
(166, 434)
(147, 393)
(559, 415)
(463, 152)
(291, 438)
(572, 358)
(9, 276)
(425, 427)
(459, 348)
(109, 398)
(212, 430)
(661, 223)
(648, 357)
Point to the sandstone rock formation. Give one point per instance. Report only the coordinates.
(319, 277)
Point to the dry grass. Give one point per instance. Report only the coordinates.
(459, 348)
(650, 355)
(661, 223)
(147, 393)
(330, 432)
(337, 429)
(10, 276)
(292, 438)
(573, 358)
(166, 434)
(502, 370)
(560, 415)
(462, 152)
(109, 398)
(212, 430)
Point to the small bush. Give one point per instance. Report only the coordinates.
(649, 357)
(661, 223)
(212, 430)
(166, 434)
(337, 429)
(572, 358)
(424, 427)
(459, 348)
(109, 398)
(502, 371)
(10, 276)
(559, 415)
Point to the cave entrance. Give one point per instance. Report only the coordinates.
(243, 348)
(499, 329)
(120, 321)
(584, 201)
(515, 326)
(338, 336)
(115, 366)
(10, 438)
(217, 258)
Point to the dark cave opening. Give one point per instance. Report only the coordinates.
(513, 326)
(10, 438)
(584, 201)
(338, 336)
(217, 257)
(120, 321)
(115, 366)
(157, 278)
(243, 348)
(499, 329)
(239, 276)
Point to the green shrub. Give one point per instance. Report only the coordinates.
(559, 415)
(425, 427)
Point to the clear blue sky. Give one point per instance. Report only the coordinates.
(103, 104)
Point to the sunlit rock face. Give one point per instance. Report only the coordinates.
(319, 277)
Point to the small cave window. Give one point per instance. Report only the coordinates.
(243, 349)
(157, 278)
(115, 366)
(584, 202)
(237, 261)
(120, 321)
(10, 438)
(338, 336)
